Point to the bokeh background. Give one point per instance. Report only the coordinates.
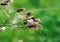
(47, 10)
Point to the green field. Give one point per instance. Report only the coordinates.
(47, 10)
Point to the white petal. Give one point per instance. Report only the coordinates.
(30, 20)
(12, 0)
(3, 28)
(20, 40)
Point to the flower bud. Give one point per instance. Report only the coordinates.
(29, 13)
(8, 1)
(3, 4)
(20, 10)
(25, 23)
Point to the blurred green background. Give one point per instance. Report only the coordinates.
(47, 10)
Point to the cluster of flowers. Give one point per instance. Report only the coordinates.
(29, 21)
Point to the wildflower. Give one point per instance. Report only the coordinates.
(33, 22)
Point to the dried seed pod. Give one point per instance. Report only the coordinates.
(20, 9)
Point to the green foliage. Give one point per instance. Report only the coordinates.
(47, 10)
